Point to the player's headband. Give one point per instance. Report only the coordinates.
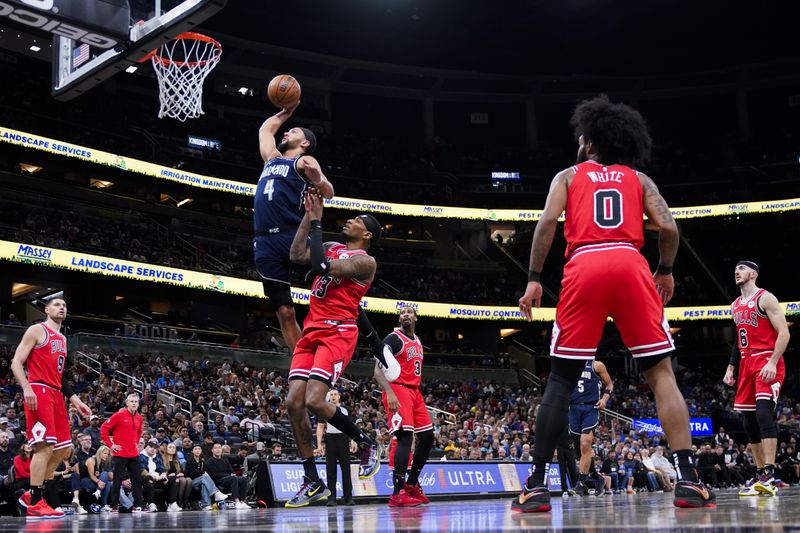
(373, 226)
(748, 264)
(312, 140)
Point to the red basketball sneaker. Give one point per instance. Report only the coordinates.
(415, 491)
(25, 499)
(44, 511)
(403, 499)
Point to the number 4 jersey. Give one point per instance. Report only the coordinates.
(47, 360)
(604, 205)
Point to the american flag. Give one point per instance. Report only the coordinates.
(80, 55)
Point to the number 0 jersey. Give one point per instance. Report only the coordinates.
(47, 360)
(753, 328)
(408, 352)
(604, 205)
(335, 300)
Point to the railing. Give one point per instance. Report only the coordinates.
(170, 398)
(210, 414)
(129, 381)
(91, 364)
(527, 375)
(608, 414)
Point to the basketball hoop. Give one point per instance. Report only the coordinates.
(181, 66)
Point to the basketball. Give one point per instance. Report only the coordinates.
(283, 91)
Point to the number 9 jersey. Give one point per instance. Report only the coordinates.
(47, 359)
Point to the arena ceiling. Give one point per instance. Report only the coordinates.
(527, 37)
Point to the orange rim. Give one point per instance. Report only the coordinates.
(189, 35)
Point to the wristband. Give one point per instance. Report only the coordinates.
(316, 224)
(534, 276)
(665, 270)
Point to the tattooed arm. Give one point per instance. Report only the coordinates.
(658, 213)
(359, 267)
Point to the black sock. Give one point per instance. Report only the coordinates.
(684, 465)
(769, 470)
(536, 479)
(310, 469)
(583, 477)
(421, 454)
(343, 423)
(51, 495)
(405, 439)
(553, 413)
(399, 482)
(36, 494)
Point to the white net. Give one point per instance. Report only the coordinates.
(181, 66)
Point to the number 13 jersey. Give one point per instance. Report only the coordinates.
(335, 300)
(604, 205)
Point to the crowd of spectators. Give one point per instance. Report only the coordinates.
(234, 406)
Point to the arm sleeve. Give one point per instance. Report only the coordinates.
(66, 386)
(104, 429)
(736, 355)
(319, 263)
(366, 329)
(393, 342)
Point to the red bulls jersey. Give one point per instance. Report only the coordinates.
(335, 300)
(753, 328)
(47, 360)
(604, 205)
(410, 359)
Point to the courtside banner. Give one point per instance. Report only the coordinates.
(96, 264)
(437, 478)
(129, 164)
(54, 146)
(701, 427)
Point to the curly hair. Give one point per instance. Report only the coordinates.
(618, 132)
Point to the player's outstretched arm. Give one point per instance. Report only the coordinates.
(359, 267)
(770, 305)
(29, 340)
(268, 130)
(543, 239)
(310, 168)
(601, 370)
(657, 211)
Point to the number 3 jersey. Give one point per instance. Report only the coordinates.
(408, 352)
(604, 205)
(47, 359)
(335, 300)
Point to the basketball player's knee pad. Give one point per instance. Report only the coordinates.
(751, 428)
(279, 294)
(765, 413)
(564, 374)
(425, 439)
(404, 438)
(646, 363)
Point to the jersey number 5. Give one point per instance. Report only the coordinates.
(608, 208)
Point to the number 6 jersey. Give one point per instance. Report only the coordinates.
(47, 359)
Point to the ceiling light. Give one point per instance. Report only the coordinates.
(131, 69)
(34, 48)
(184, 201)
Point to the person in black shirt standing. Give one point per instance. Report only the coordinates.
(337, 449)
(221, 472)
